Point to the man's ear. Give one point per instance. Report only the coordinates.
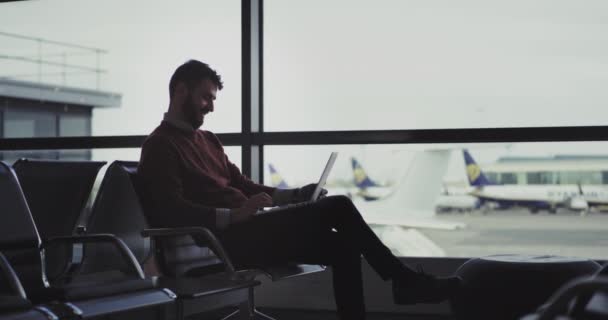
(181, 91)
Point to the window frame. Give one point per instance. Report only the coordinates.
(253, 138)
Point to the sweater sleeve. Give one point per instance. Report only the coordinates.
(159, 169)
(243, 183)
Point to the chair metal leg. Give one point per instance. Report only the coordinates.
(247, 311)
(233, 315)
(259, 314)
(239, 314)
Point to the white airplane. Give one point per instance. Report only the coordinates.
(398, 217)
(534, 197)
(449, 199)
(276, 179)
(458, 200)
(365, 187)
(412, 202)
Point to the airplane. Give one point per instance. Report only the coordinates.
(367, 188)
(276, 179)
(456, 200)
(398, 217)
(534, 197)
(411, 203)
(447, 201)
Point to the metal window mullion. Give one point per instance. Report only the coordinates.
(2, 110)
(252, 155)
(432, 136)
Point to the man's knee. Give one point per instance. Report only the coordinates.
(338, 202)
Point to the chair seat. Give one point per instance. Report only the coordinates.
(291, 270)
(100, 284)
(598, 306)
(189, 288)
(25, 315)
(13, 303)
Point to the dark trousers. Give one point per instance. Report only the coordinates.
(331, 232)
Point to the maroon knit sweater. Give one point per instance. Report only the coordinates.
(187, 176)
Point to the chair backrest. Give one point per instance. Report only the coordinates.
(17, 230)
(19, 239)
(56, 191)
(118, 210)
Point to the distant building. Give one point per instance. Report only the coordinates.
(559, 169)
(29, 109)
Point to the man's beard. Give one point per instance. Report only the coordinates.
(191, 113)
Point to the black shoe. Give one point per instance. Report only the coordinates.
(424, 288)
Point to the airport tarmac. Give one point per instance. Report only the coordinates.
(504, 232)
(519, 232)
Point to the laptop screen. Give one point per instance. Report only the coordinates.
(323, 179)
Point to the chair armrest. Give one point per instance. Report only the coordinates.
(100, 238)
(560, 300)
(11, 277)
(214, 243)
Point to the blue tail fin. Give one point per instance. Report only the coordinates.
(362, 181)
(476, 177)
(275, 178)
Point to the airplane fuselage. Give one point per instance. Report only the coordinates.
(541, 196)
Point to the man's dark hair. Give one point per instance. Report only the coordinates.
(192, 73)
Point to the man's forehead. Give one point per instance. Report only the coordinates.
(206, 85)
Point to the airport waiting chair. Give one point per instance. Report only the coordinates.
(117, 210)
(57, 192)
(508, 286)
(584, 298)
(177, 254)
(14, 304)
(87, 296)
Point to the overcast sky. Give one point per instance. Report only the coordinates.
(344, 65)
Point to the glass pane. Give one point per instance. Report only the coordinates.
(74, 125)
(430, 200)
(18, 123)
(420, 64)
(108, 155)
(129, 48)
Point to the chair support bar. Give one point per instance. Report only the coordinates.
(215, 244)
(100, 238)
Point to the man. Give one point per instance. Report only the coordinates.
(191, 182)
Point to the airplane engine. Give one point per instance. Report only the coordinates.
(578, 204)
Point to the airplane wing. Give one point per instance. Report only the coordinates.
(422, 223)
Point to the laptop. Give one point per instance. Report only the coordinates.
(315, 194)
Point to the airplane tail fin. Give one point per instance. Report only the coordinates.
(362, 180)
(276, 179)
(412, 203)
(476, 177)
(428, 167)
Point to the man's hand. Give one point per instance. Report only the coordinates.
(305, 193)
(250, 207)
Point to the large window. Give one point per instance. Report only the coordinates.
(357, 65)
(391, 64)
(424, 200)
(140, 44)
